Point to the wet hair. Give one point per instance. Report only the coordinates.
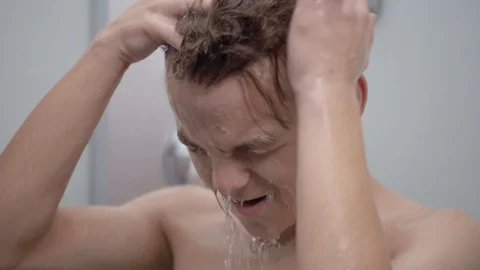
(228, 38)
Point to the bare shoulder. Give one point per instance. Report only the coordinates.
(192, 222)
(177, 200)
(442, 239)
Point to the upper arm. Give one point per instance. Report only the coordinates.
(126, 237)
(450, 240)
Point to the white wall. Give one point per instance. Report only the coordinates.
(422, 127)
(138, 119)
(420, 124)
(40, 41)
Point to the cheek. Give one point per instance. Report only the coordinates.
(280, 167)
(282, 172)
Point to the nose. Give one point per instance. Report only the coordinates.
(230, 177)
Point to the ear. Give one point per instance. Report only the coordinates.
(362, 93)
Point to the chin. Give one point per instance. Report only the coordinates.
(267, 229)
(267, 219)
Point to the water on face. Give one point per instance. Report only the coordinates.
(244, 251)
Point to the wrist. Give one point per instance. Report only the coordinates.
(100, 50)
(325, 94)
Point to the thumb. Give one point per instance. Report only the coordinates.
(163, 31)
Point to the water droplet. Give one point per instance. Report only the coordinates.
(230, 229)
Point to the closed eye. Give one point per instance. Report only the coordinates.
(195, 149)
(190, 146)
(258, 145)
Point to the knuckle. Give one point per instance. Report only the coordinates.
(302, 21)
(149, 18)
(356, 10)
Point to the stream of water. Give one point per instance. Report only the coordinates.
(244, 251)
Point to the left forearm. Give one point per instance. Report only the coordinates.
(338, 225)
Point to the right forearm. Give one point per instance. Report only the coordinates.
(39, 160)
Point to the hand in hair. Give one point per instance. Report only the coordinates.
(144, 27)
(329, 40)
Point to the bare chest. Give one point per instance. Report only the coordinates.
(208, 247)
(205, 245)
(210, 259)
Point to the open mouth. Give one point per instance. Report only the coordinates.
(250, 203)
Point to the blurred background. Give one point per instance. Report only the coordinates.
(421, 124)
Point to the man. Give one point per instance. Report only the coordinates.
(255, 92)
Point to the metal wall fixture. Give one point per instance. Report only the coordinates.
(175, 162)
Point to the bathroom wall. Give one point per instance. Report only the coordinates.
(139, 120)
(420, 124)
(39, 42)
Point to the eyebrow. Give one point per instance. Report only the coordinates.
(256, 143)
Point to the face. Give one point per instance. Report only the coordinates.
(240, 150)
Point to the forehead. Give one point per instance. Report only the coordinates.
(222, 114)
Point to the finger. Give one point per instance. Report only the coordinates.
(319, 5)
(355, 6)
(162, 30)
(358, 3)
(362, 5)
(371, 37)
(180, 7)
(202, 4)
(372, 19)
